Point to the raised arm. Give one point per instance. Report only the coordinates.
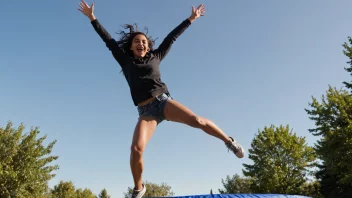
(104, 35)
(165, 46)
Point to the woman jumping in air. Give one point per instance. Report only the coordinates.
(140, 65)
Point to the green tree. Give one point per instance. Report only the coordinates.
(333, 121)
(104, 194)
(281, 161)
(86, 193)
(311, 189)
(64, 190)
(68, 190)
(153, 190)
(236, 184)
(348, 52)
(24, 169)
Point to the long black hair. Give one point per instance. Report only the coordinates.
(126, 38)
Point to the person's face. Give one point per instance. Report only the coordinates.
(139, 45)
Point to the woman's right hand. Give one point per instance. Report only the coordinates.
(87, 10)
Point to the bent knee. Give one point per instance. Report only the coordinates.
(137, 150)
(198, 122)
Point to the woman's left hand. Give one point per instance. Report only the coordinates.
(196, 13)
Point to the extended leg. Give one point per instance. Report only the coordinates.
(174, 111)
(142, 134)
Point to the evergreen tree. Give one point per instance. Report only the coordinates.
(104, 194)
(348, 52)
(333, 121)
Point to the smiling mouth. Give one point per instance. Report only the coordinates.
(140, 49)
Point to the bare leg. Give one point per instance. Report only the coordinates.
(174, 111)
(143, 132)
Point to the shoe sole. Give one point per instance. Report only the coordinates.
(141, 194)
(240, 154)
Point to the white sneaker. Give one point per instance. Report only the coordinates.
(235, 147)
(138, 193)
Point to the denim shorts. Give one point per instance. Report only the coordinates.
(155, 108)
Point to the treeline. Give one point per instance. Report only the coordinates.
(25, 168)
(283, 163)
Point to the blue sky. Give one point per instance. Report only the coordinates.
(244, 65)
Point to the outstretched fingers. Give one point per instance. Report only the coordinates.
(82, 7)
(200, 10)
(86, 9)
(84, 3)
(200, 6)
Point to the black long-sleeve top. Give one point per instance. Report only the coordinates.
(142, 74)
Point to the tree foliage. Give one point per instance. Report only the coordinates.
(153, 190)
(24, 163)
(84, 193)
(333, 121)
(104, 194)
(348, 52)
(68, 190)
(235, 185)
(63, 190)
(281, 161)
(311, 189)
